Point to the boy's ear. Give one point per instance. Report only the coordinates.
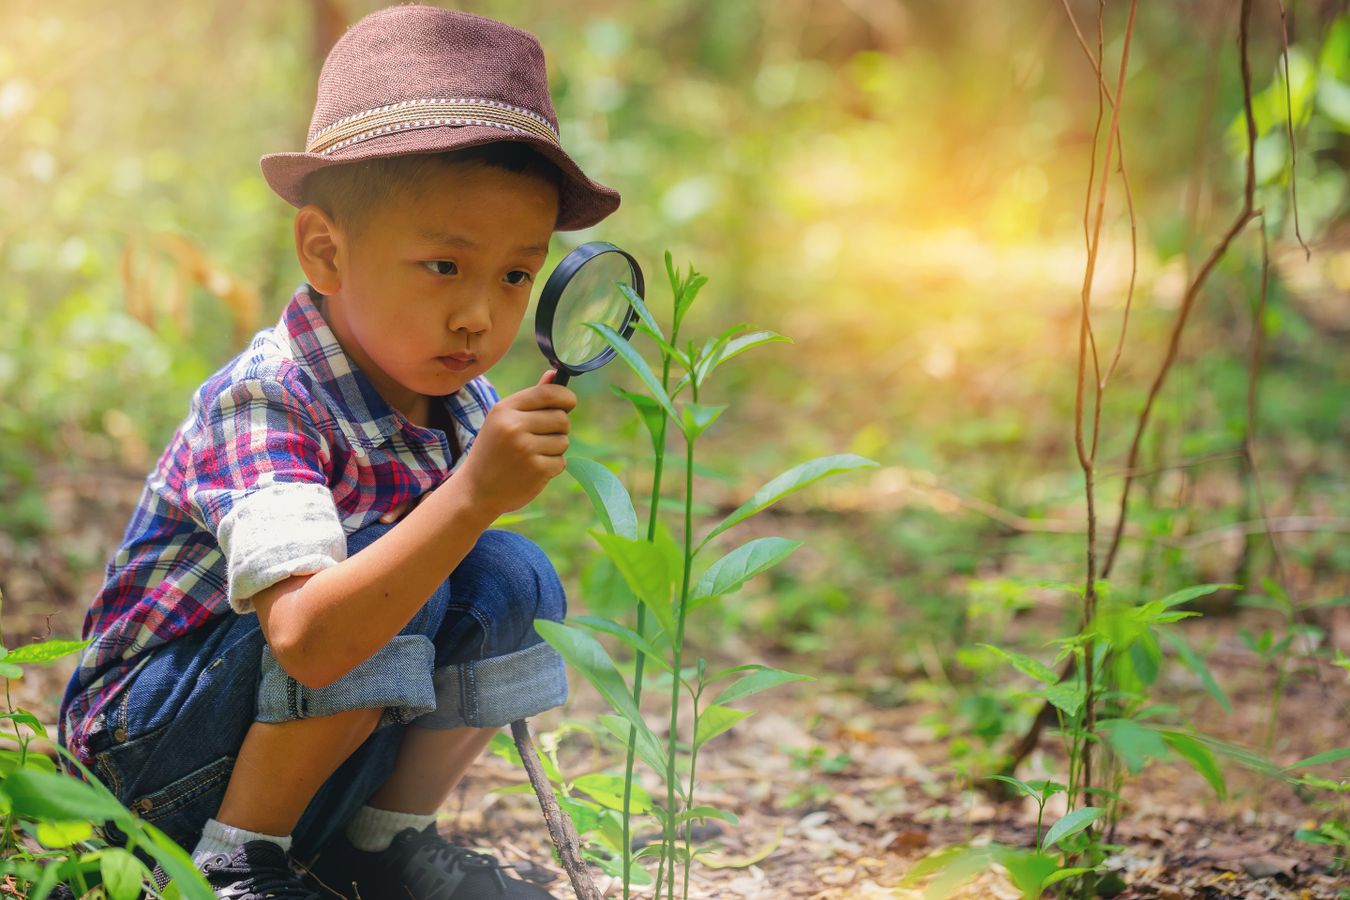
(318, 242)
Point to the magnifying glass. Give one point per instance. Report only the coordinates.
(585, 288)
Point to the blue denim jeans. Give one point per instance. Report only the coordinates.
(469, 657)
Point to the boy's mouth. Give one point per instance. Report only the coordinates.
(457, 362)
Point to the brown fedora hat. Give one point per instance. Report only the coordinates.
(419, 79)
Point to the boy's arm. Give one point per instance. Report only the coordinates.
(321, 626)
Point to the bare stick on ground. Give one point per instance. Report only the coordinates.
(560, 829)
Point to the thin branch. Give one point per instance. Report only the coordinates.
(560, 828)
(1271, 526)
(1125, 181)
(1245, 215)
(1088, 460)
(1183, 464)
(1289, 122)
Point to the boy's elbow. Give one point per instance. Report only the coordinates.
(280, 616)
(303, 662)
(289, 654)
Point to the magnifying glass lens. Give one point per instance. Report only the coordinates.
(585, 288)
(591, 296)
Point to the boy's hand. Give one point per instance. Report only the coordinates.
(520, 446)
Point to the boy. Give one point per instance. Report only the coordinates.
(256, 686)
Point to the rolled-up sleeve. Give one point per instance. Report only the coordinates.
(256, 480)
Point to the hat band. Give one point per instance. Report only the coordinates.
(429, 113)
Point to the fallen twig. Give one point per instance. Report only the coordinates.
(560, 829)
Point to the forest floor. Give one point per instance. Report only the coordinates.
(891, 794)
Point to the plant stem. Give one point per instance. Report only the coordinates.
(641, 657)
(679, 647)
(689, 797)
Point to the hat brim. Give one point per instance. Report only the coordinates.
(581, 201)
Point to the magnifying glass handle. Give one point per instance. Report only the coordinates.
(560, 377)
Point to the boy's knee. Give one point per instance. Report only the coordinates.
(523, 574)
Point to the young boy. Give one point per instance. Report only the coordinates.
(256, 686)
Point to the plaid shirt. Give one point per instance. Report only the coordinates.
(285, 450)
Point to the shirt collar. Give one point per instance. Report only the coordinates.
(364, 416)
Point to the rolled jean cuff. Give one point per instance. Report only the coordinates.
(397, 677)
(489, 693)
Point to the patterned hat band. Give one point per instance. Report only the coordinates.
(429, 113)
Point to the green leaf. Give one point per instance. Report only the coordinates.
(11, 759)
(44, 651)
(589, 658)
(667, 349)
(607, 790)
(613, 867)
(637, 364)
(1025, 664)
(1062, 874)
(122, 873)
(1200, 757)
(1176, 598)
(740, 565)
(627, 635)
(585, 816)
(761, 680)
(1068, 698)
(1135, 744)
(714, 720)
(706, 812)
(698, 416)
(648, 749)
(952, 865)
(54, 834)
(1071, 824)
(1196, 665)
(647, 571)
(725, 349)
(48, 795)
(10, 671)
(607, 494)
(1023, 789)
(789, 482)
(1322, 758)
(683, 289)
(640, 307)
(651, 413)
(174, 860)
(1028, 869)
(721, 861)
(24, 717)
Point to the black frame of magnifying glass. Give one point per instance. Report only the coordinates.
(552, 293)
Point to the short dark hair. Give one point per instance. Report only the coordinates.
(352, 192)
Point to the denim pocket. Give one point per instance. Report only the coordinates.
(180, 808)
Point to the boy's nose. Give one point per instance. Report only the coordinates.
(473, 313)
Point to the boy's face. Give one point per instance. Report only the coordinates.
(430, 294)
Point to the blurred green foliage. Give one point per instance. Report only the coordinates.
(897, 186)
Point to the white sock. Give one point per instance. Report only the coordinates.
(217, 837)
(373, 829)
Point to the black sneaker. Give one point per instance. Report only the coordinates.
(257, 870)
(417, 864)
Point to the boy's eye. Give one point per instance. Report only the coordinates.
(519, 276)
(441, 267)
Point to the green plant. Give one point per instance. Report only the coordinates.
(1274, 646)
(814, 762)
(1332, 797)
(660, 574)
(59, 812)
